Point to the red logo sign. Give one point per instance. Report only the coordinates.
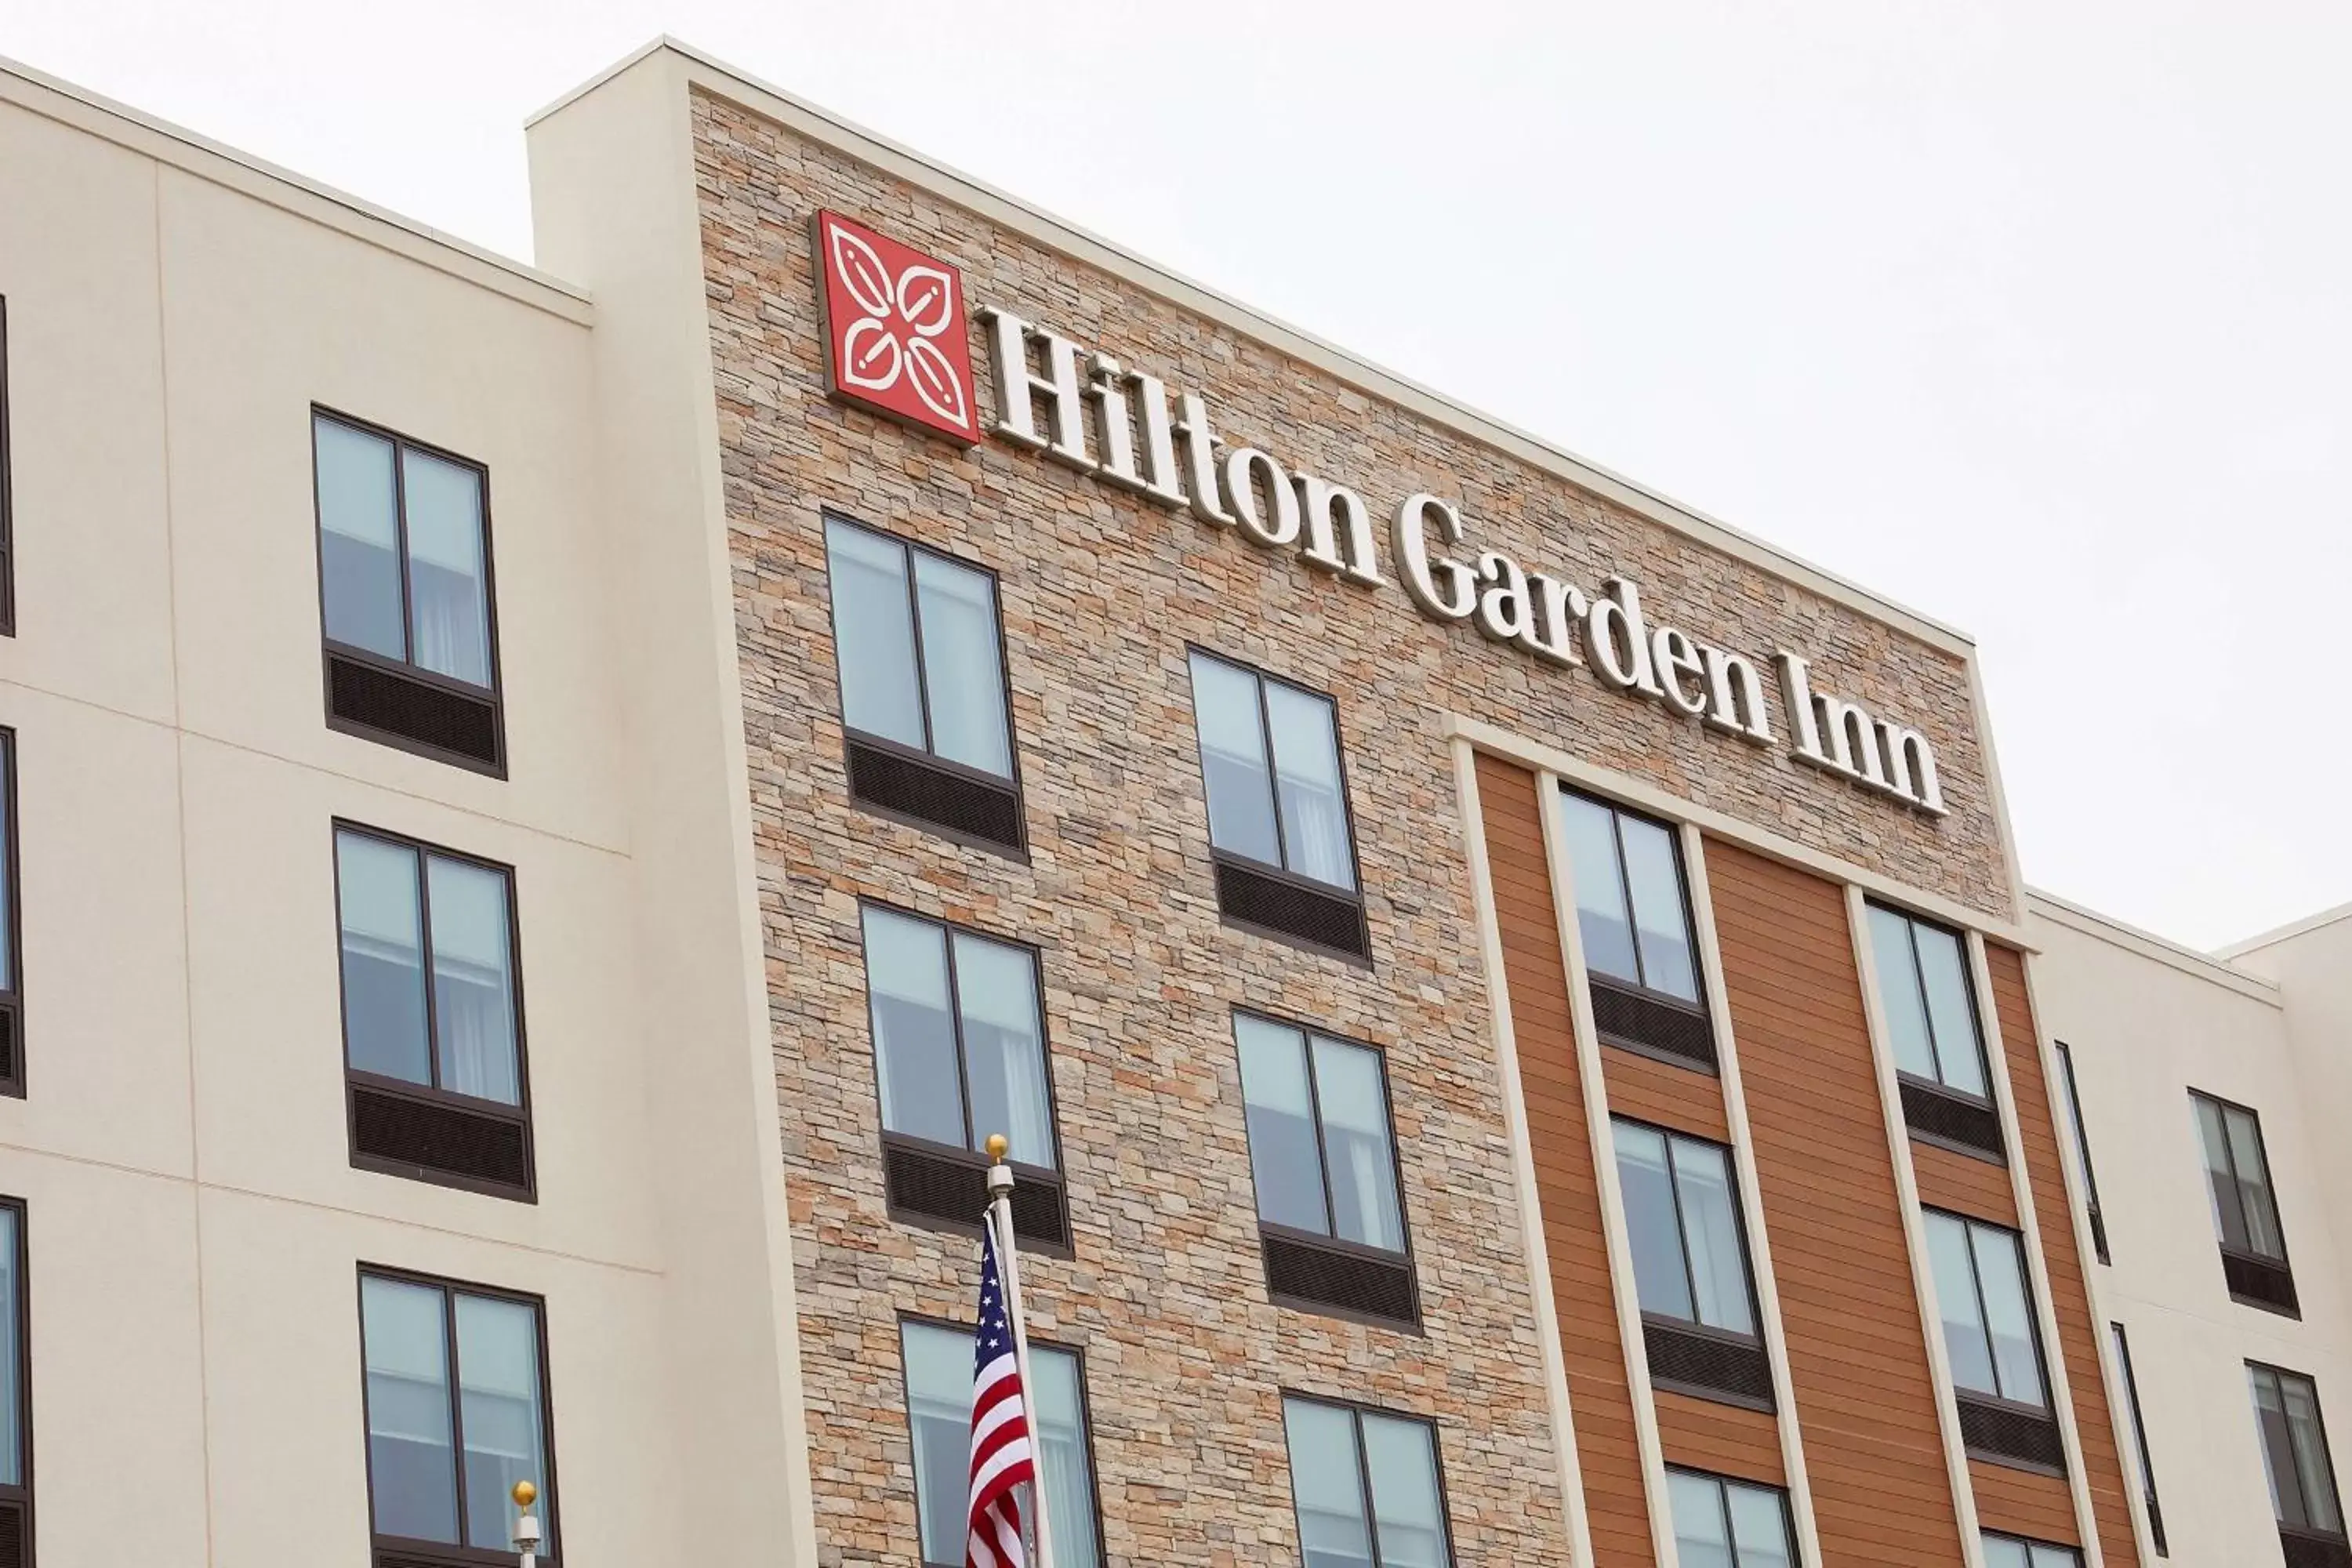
(896, 338)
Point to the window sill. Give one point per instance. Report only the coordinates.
(1313, 916)
(446, 1140)
(1308, 1272)
(382, 701)
(2006, 1433)
(1713, 1364)
(963, 805)
(1952, 1119)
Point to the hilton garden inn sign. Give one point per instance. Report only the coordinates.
(896, 341)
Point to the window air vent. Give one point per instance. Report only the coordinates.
(2260, 1282)
(1967, 1124)
(431, 1140)
(1283, 907)
(934, 1187)
(1709, 1366)
(892, 781)
(1995, 1430)
(384, 703)
(12, 1069)
(1318, 1276)
(2304, 1551)
(15, 1535)
(1644, 1022)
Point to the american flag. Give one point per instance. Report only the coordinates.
(1001, 1454)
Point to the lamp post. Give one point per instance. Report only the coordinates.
(526, 1530)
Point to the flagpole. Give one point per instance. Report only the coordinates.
(1008, 1264)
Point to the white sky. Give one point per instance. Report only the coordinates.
(2035, 317)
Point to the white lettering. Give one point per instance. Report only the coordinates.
(1409, 543)
(1549, 634)
(1113, 436)
(1735, 696)
(1506, 612)
(1200, 444)
(1615, 638)
(1017, 386)
(1160, 480)
(1675, 656)
(1338, 531)
(1241, 487)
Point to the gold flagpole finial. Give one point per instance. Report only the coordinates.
(998, 1146)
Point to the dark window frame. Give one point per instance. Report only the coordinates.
(1025, 1173)
(2279, 1375)
(2047, 1411)
(2139, 1441)
(827, 516)
(1723, 1485)
(406, 1550)
(1641, 987)
(1681, 1236)
(2284, 1261)
(1910, 1084)
(1036, 1418)
(520, 1113)
(2031, 1543)
(8, 491)
(407, 669)
(1357, 1410)
(2096, 1216)
(1331, 1240)
(12, 932)
(21, 1495)
(1282, 873)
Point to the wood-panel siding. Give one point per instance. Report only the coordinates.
(1725, 1438)
(2070, 1303)
(1648, 1089)
(1857, 1351)
(2024, 1502)
(1948, 1179)
(1600, 1396)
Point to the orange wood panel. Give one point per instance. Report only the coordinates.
(2022, 1503)
(1725, 1438)
(2069, 1302)
(1978, 1188)
(1857, 1350)
(1648, 1089)
(1567, 1185)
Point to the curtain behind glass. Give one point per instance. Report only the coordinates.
(384, 958)
(1313, 801)
(497, 1384)
(2008, 1314)
(1648, 1190)
(1601, 921)
(1654, 880)
(2220, 1186)
(1711, 1233)
(1759, 1526)
(2253, 1187)
(1062, 1457)
(1325, 1485)
(2056, 1557)
(1701, 1540)
(1005, 1049)
(1956, 1300)
(1898, 994)
(1234, 769)
(2003, 1553)
(914, 1034)
(7, 829)
(448, 593)
(359, 538)
(411, 1469)
(1355, 1145)
(939, 1415)
(963, 670)
(1943, 970)
(2310, 1444)
(1278, 1109)
(1406, 1508)
(473, 989)
(12, 1388)
(874, 634)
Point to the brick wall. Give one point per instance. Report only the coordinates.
(1185, 1358)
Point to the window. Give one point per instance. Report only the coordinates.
(2296, 1458)
(939, 1361)
(432, 1015)
(404, 595)
(2139, 1441)
(15, 1389)
(2245, 1207)
(2083, 1151)
(1367, 1487)
(1633, 921)
(1930, 1012)
(1724, 1523)
(11, 986)
(2016, 1551)
(457, 1414)
(1690, 1264)
(1331, 1220)
(959, 1054)
(7, 516)
(1279, 827)
(1991, 1338)
(929, 728)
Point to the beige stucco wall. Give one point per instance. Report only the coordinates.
(2146, 1024)
(195, 1225)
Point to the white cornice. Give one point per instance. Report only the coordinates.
(2146, 944)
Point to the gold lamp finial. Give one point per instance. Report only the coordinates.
(998, 1145)
(525, 1494)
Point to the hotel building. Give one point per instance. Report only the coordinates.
(550, 811)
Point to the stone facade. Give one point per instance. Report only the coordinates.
(1185, 1359)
